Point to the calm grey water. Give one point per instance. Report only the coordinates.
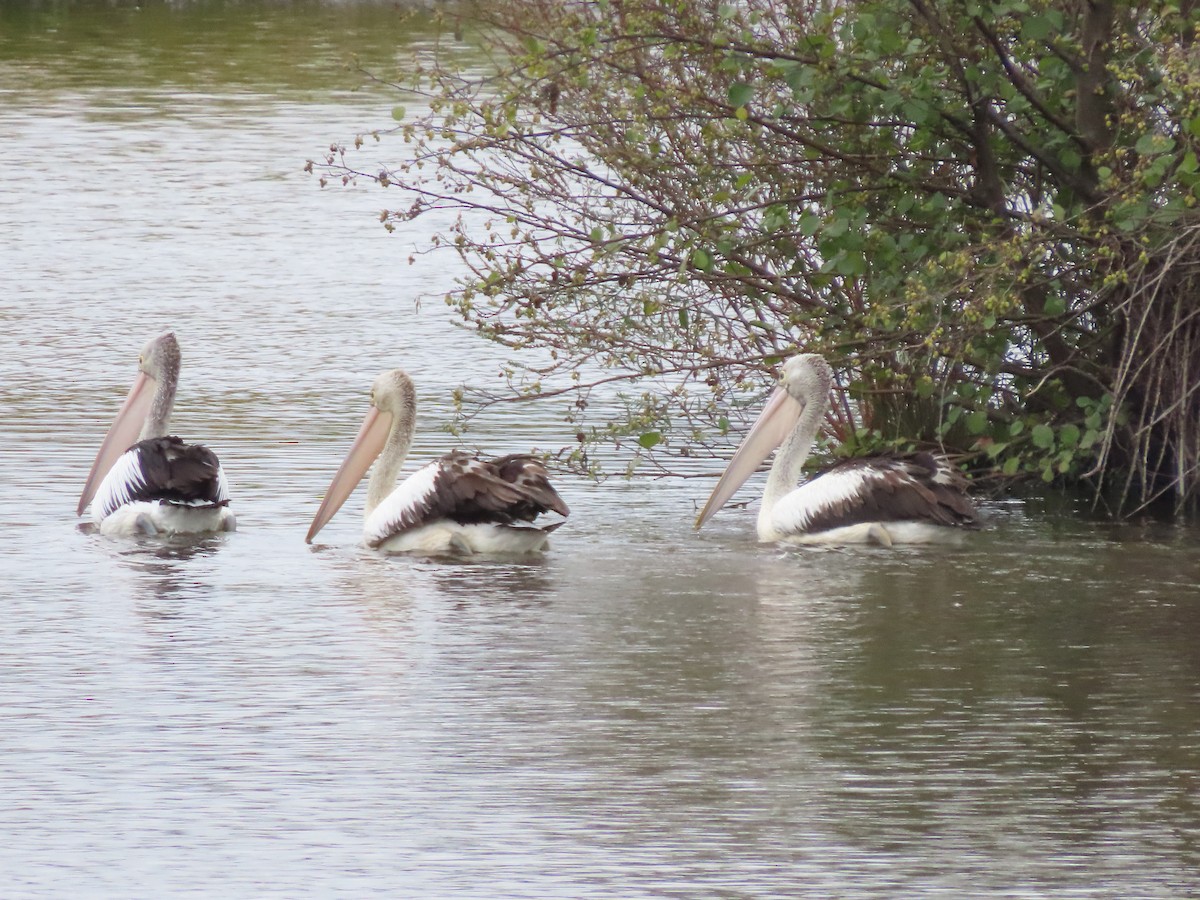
(643, 713)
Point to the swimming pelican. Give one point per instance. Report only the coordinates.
(889, 499)
(455, 504)
(159, 485)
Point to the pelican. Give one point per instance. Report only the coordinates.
(457, 504)
(159, 485)
(886, 500)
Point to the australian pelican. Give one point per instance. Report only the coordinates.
(457, 504)
(158, 485)
(889, 499)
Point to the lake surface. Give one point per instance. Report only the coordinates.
(644, 712)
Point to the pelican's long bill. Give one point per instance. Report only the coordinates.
(366, 447)
(121, 435)
(777, 420)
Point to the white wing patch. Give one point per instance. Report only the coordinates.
(405, 507)
(119, 486)
(815, 499)
(222, 485)
(944, 473)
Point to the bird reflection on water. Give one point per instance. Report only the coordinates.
(163, 569)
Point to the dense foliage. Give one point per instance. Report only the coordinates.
(983, 213)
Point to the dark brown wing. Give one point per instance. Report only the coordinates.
(165, 470)
(530, 475)
(472, 491)
(468, 491)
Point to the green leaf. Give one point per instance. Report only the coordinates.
(1068, 435)
(799, 78)
(1153, 176)
(398, 113)
(1042, 436)
(976, 422)
(837, 224)
(1152, 143)
(650, 439)
(1037, 28)
(740, 94)
(850, 264)
(809, 224)
(776, 216)
(1011, 465)
(702, 260)
(1055, 305)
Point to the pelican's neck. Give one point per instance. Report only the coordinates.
(789, 462)
(158, 420)
(386, 471)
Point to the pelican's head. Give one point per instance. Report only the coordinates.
(393, 393)
(806, 378)
(390, 418)
(160, 358)
(804, 383)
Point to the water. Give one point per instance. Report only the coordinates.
(642, 713)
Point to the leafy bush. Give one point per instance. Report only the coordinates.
(983, 213)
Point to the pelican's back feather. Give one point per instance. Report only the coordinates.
(166, 470)
(915, 488)
(466, 490)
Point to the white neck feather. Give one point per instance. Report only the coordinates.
(158, 421)
(789, 463)
(386, 470)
